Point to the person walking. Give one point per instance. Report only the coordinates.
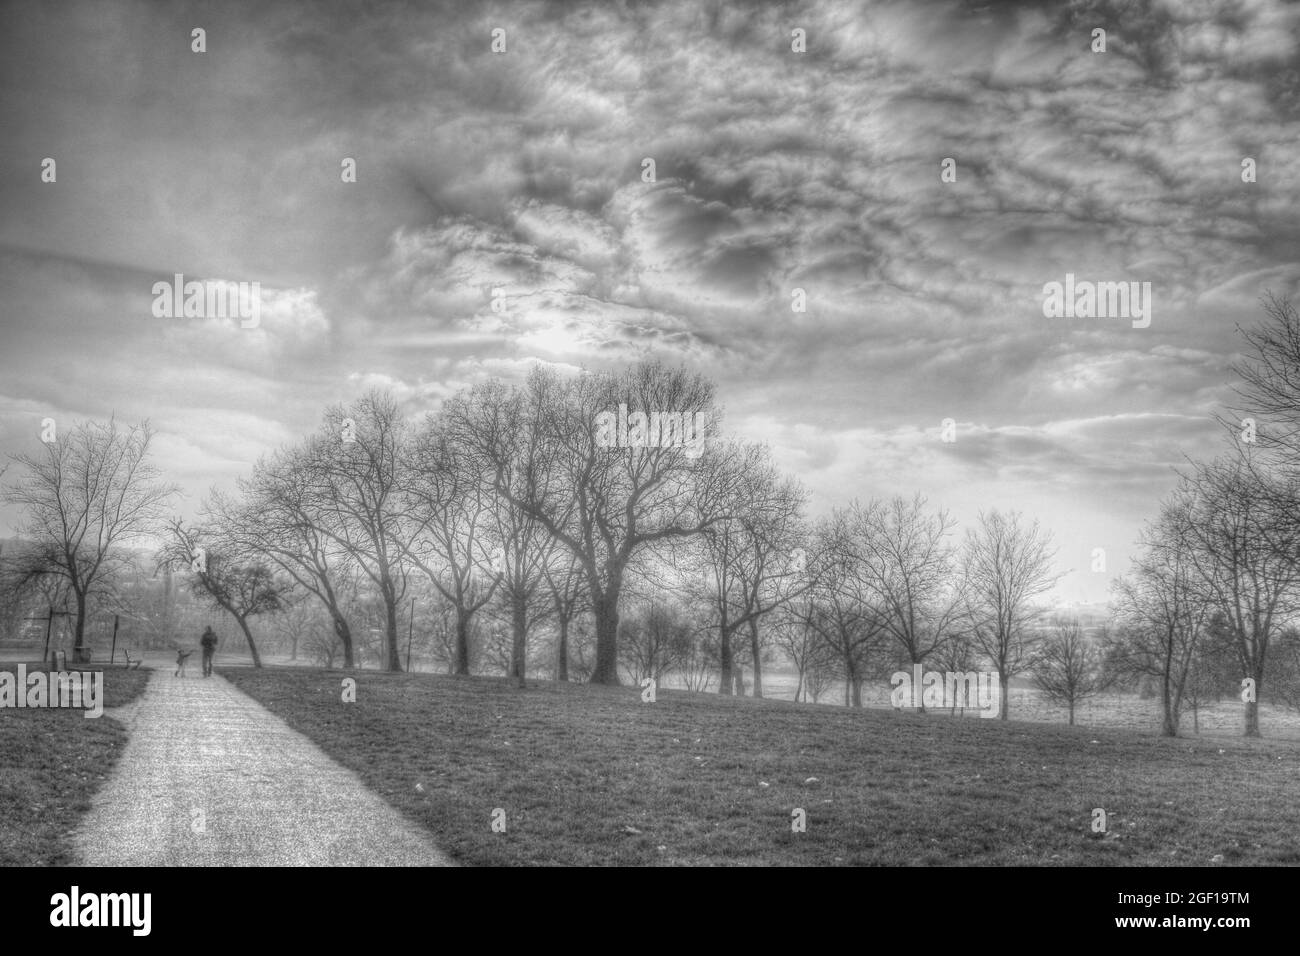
(209, 642)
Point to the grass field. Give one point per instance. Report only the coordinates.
(591, 775)
(51, 762)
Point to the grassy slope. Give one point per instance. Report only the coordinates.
(51, 763)
(577, 768)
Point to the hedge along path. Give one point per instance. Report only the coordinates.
(209, 777)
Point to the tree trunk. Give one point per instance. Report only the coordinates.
(1170, 725)
(562, 671)
(390, 627)
(1004, 696)
(248, 636)
(79, 644)
(606, 611)
(757, 661)
(519, 643)
(857, 691)
(726, 665)
(345, 637)
(1252, 706)
(1072, 713)
(462, 641)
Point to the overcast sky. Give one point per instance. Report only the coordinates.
(775, 170)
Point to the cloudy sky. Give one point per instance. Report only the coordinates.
(775, 170)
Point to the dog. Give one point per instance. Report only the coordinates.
(181, 658)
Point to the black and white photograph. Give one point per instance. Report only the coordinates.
(688, 433)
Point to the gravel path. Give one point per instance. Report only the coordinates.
(211, 778)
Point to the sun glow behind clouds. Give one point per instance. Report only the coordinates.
(775, 171)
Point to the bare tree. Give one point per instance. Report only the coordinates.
(566, 586)
(1213, 669)
(1007, 564)
(1270, 383)
(959, 655)
(699, 663)
(491, 429)
(821, 675)
(607, 502)
(295, 623)
(283, 516)
(843, 612)
(231, 579)
(749, 554)
(356, 467)
(906, 562)
(1067, 666)
(655, 639)
(798, 638)
(453, 504)
(1240, 535)
(1284, 677)
(1161, 613)
(85, 496)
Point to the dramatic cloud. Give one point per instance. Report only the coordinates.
(517, 177)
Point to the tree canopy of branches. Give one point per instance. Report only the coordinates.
(233, 579)
(85, 496)
(1008, 564)
(1236, 525)
(1068, 667)
(608, 505)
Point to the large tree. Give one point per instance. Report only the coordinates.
(452, 507)
(281, 515)
(608, 502)
(747, 555)
(356, 464)
(1237, 527)
(85, 497)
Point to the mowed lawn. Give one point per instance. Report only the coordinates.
(591, 775)
(51, 763)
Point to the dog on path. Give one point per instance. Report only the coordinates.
(181, 658)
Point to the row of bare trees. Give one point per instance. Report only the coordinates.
(508, 502)
(507, 499)
(1217, 582)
